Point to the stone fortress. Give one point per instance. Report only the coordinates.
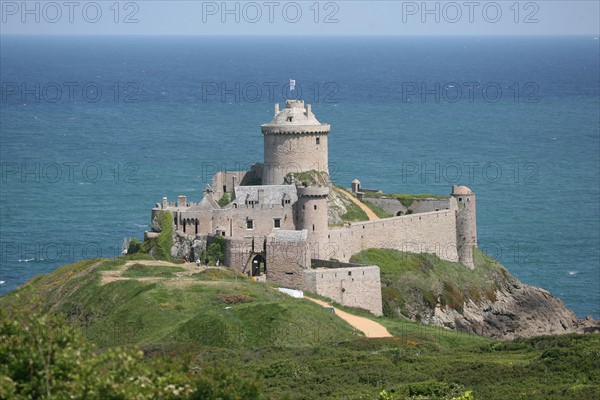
(276, 228)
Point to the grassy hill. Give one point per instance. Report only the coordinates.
(294, 349)
(412, 281)
(150, 305)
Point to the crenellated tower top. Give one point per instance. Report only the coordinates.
(294, 141)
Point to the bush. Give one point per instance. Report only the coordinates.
(134, 246)
(41, 357)
(160, 248)
(216, 250)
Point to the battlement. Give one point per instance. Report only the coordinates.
(294, 119)
(294, 141)
(313, 191)
(294, 104)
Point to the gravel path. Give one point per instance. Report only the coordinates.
(370, 328)
(372, 216)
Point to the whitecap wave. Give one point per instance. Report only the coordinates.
(573, 272)
(26, 259)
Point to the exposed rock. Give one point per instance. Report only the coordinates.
(156, 224)
(518, 311)
(337, 205)
(189, 248)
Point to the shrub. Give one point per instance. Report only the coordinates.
(160, 247)
(134, 246)
(42, 357)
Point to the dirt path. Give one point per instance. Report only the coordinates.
(370, 328)
(181, 278)
(372, 216)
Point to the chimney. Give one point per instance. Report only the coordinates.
(308, 110)
(165, 202)
(181, 201)
(276, 108)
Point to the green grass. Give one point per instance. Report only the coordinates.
(540, 368)
(311, 177)
(139, 270)
(226, 199)
(160, 247)
(405, 199)
(219, 274)
(409, 279)
(143, 313)
(353, 212)
(380, 212)
(298, 350)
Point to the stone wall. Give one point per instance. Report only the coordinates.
(393, 206)
(234, 220)
(287, 259)
(228, 179)
(353, 285)
(240, 251)
(433, 232)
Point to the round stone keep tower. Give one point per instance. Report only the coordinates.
(466, 224)
(295, 141)
(311, 214)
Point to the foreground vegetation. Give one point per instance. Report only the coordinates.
(220, 335)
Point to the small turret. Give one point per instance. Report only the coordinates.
(311, 214)
(466, 224)
(355, 186)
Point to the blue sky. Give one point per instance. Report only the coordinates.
(347, 17)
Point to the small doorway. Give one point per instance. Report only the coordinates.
(259, 265)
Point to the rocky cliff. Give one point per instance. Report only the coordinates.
(488, 300)
(518, 311)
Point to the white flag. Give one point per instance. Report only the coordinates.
(292, 84)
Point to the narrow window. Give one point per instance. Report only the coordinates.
(303, 207)
(315, 206)
(313, 228)
(318, 141)
(249, 224)
(277, 223)
(349, 273)
(289, 119)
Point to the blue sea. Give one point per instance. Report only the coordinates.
(95, 130)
